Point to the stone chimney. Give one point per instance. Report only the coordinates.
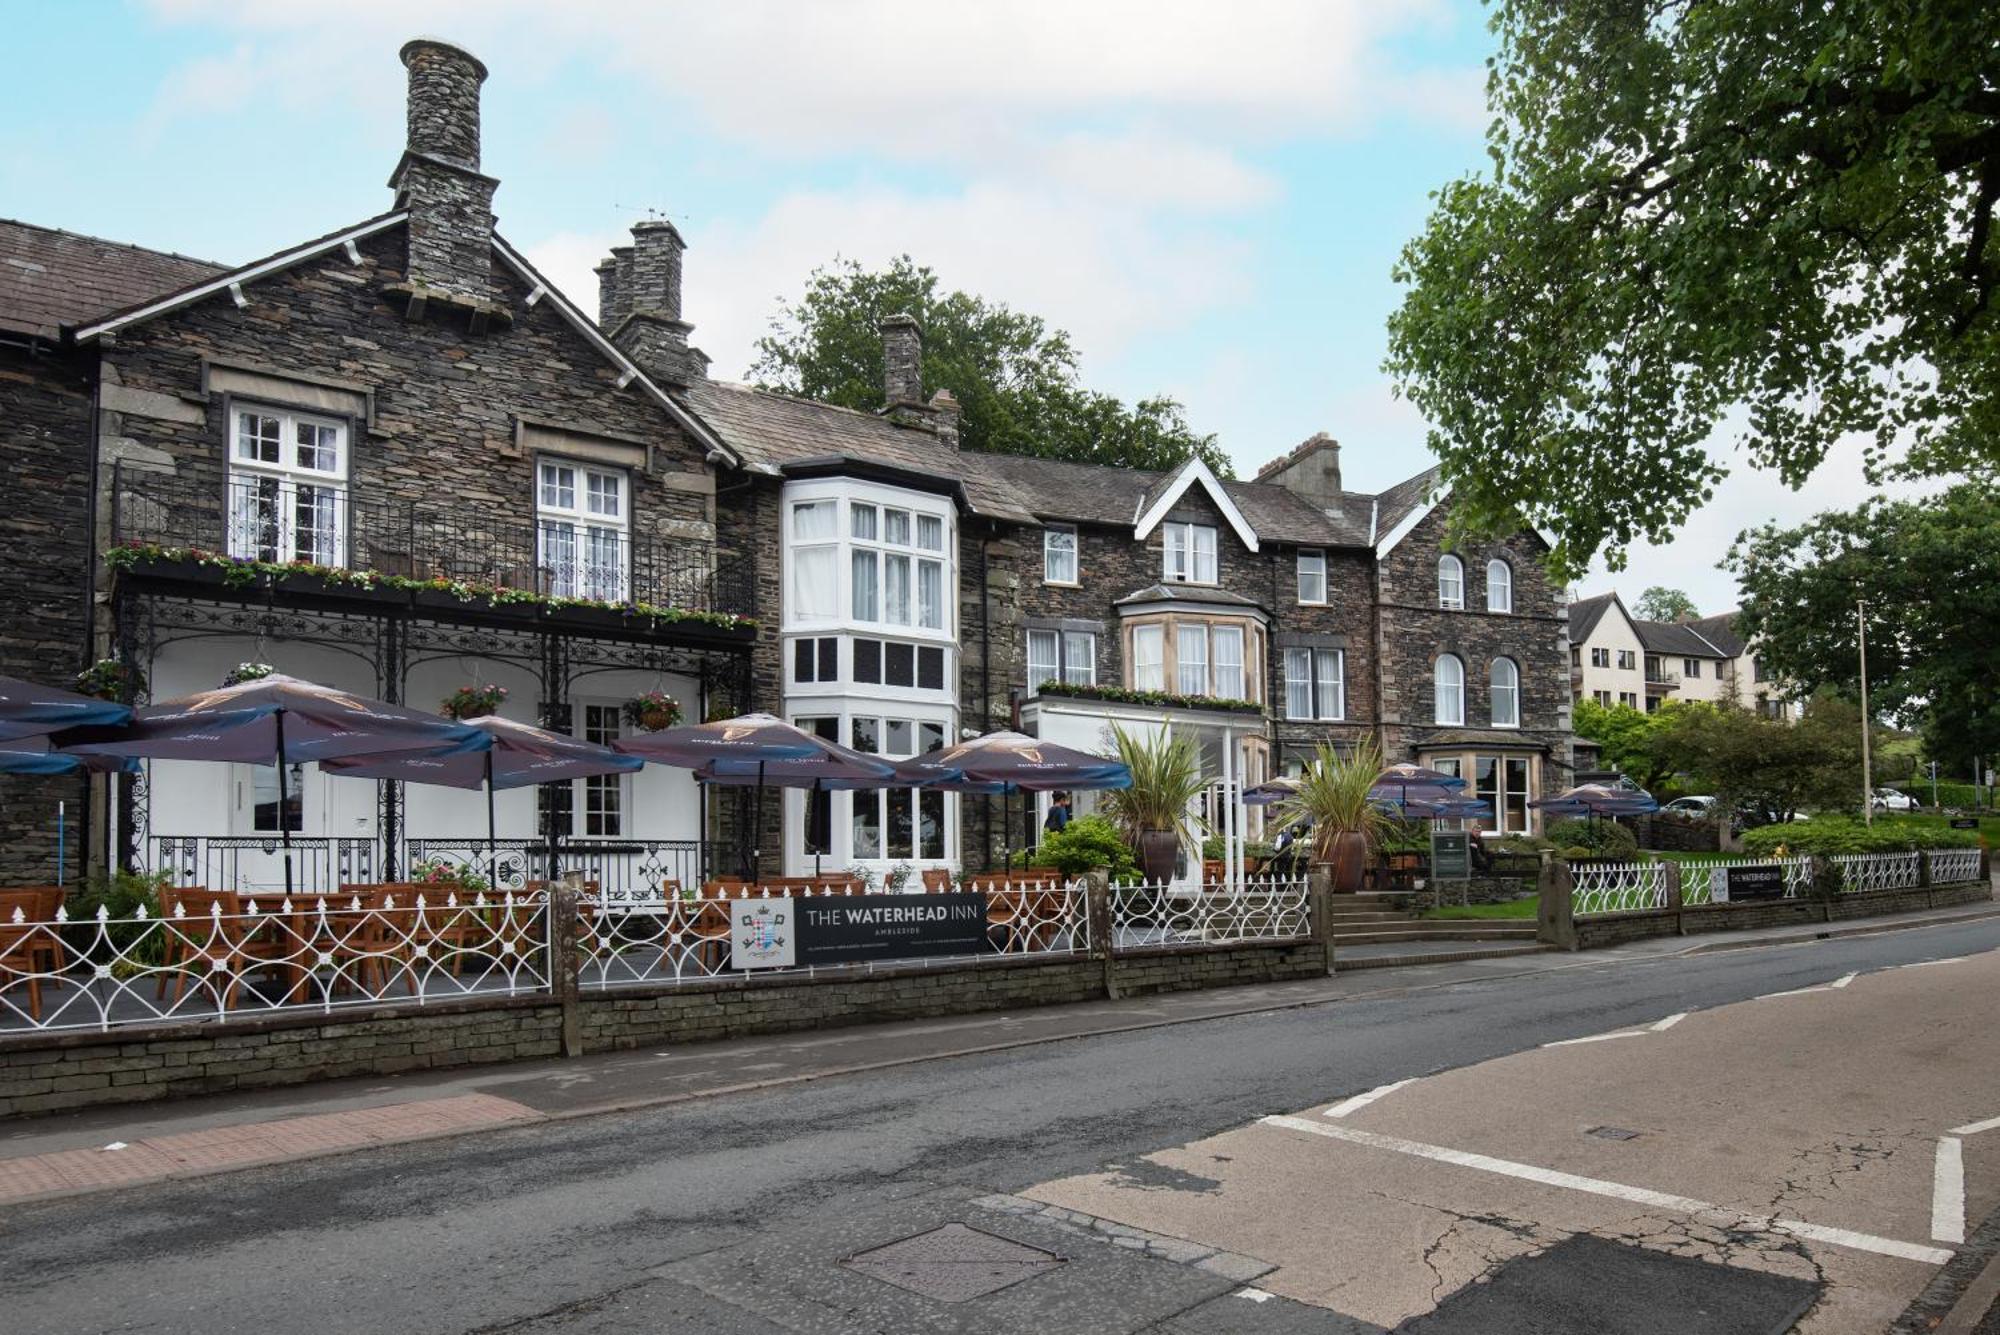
(902, 362)
(647, 288)
(1310, 469)
(450, 202)
(944, 418)
(608, 311)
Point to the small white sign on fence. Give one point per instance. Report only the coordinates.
(763, 934)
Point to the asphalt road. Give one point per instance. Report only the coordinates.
(731, 1214)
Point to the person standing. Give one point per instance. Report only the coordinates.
(1058, 818)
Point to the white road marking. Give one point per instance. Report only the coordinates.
(1845, 979)
(1839, 1237)
(1254, 1295)
(1661, 1026)
(1924, 964)
(1948, 1191)
(1360, 1101)
(1795, 992)
(1596, 1038)
(1974, 1128)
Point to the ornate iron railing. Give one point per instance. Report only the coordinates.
(1953, 866)
(326, 524)
(623, 870)
(1257, 909)
(1878, 871)
(256, 863)
(1706, 880)
(217, 957)
(1617, 887)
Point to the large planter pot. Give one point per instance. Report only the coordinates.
(1159, 850)
(1350, 862)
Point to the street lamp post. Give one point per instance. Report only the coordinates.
(1867, 780)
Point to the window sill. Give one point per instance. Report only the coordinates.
(1062, 584)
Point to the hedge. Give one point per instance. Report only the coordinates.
(1831, 835)
(1948, 794)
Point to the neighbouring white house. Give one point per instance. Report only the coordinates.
(1619, 659)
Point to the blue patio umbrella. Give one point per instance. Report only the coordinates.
(1271, 792)
(31, 710)
(1005, 763)
(33, 755)
(744, 747)
(1597, 799)
(519, 755)
(278, 720)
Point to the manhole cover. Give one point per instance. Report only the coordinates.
(953, 1263)
(1612, 1133)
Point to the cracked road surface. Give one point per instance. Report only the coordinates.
(1146, 1161)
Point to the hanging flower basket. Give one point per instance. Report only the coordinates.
(472, 702)
(653, 711)
(243, 672)
(109, 679)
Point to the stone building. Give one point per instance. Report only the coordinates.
(395, 459)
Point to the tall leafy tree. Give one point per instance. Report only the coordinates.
(1014, 377)
(1631, 741)
(1925, 572)
(1771, 767)
(1771, 214)
(1660, 603)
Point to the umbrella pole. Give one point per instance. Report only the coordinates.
(492, 843)
(757, 825)
(284, 805)
(817, 844)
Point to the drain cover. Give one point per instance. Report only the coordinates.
(1612, 1133)
(953, 1263)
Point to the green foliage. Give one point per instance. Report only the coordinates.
(1333, 798)
(1014, 377)
(1660, 603)
(1832, 835)
(1755, 211)
(1771, 767)
(1631, 741)
(1403, 836)
(1160, 699)
(121, 895)
(1166, 779)
(1948, 794)
(1598, 838)
(1925, 570)
(1086, 843)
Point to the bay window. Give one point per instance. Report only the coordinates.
(1502, 781)
(1228, 644)
(581, 525)
(1315, 683)
(1149, 658)
(287, 487)
(814, 549)
(1190, 553)
(1191, 648)
(901, 824)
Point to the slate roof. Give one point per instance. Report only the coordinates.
(50, 278)
(1675, 638)
(1720, 631)
(1186, 593)
(1399, 502)
(1585, 613)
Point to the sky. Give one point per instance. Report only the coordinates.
(1209, 198)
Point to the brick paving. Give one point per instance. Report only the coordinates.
(192, 1153)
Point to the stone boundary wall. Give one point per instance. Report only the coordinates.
(1610, 929)
(41, 1073)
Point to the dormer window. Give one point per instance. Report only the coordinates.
(1190, 553)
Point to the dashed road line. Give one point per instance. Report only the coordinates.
(1596, 1038)
(1360, 1101)
(1799, 1228)
(1948, 1191)
(1974, 1128)
(1844, 980)
(1661, 1026)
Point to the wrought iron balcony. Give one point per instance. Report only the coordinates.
(300, 520)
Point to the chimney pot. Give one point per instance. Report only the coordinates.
(607, 292)
(444, 100)
(657, 249)
(902, 360)
(1310, 469)
(438, 181)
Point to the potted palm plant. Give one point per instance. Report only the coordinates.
(1332, 801)
(1153, 813)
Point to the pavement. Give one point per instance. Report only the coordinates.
(1143, 1145)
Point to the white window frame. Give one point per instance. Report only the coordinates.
(277, 485)
(587, 789)
(1312, 567)
(1189, 553)
(1187, 633)
(1324, 683)
(1499, 586)
(925, 535)
(1451, 583)
(1448, 710)
(598, 546)
(1060, 545)
(1149, 672)
(1509, 692)
(1217, 636)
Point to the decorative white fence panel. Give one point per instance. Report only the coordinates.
(268, 957)
(1952, 866)
(1707, 881)
(1257, 909)
(1617, 887)
(1878, 871)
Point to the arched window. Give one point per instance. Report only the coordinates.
(1449, 678)
(1505, 680)
(1451, 582)
(1499, 586)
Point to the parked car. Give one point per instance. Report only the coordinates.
(1888, 799)
(1690, 806)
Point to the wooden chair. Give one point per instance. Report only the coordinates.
(210, 930)
(29, 947)
(698, 928)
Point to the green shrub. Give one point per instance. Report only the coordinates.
(1602, 838)
(121, 895)
(1087, 842)
(1830, 836)
(1404, 836)
(1948, 794)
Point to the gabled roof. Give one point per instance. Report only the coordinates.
(1720, 631)
(1401, 508)
(210, 285)
(1585, 613)
(1159, 500)
(1676, 638)
(50, 278)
